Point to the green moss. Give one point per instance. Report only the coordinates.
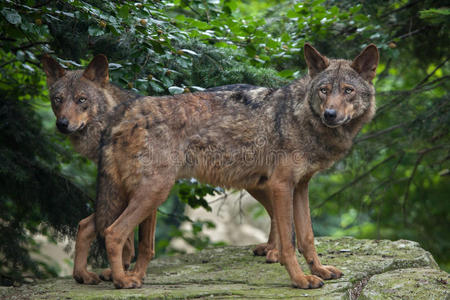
(414, 283)
(233, 272)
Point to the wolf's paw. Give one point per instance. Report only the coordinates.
(307, 282)
(261, 249)
(127, 282)
(106, 275)
(136, 274)
(327, 272)
(85, 277)
(272, 256)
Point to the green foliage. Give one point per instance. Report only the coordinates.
(394, 184)
(35, 195)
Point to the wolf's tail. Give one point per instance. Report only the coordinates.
(109, 203)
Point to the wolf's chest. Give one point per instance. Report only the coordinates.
(86, 146)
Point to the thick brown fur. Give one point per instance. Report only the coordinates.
(269, 142)
(84, 121)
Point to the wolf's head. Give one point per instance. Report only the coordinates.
(341, 90)
(77, 97)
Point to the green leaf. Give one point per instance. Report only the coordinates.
(167, 81)
(285, 37)
(156, 87)
(189, 52)
(95, 30)
(123, 11)
(436, 15)
(355, 9)
(232, 5)
(251, 50)
(176, 90)
(292, 14)
(11, 16)
(286, 73)
(199, 24)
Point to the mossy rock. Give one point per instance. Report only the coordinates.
(416, 283)
(233, 272)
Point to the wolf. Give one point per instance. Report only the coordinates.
(83, 121)
(269, 142)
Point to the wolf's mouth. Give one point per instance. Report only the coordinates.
(336, 124)
(69, 131)
(82, 126)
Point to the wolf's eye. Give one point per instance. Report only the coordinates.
(82, 100)
(57, 99)
(323, 91)
(348, 90)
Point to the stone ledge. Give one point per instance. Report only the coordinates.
(233, 272)
(415, 283)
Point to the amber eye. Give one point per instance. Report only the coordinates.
(348, 90)
(57, 100)
(323, 91)
(82, 100)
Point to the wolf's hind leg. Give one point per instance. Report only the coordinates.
(127, 256)
(85, 235)
(146, 246)
(269, 249)
(305, 234)
(128, 251)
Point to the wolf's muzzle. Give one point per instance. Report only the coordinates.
(331, 119)
(330, 115)
(63, 125)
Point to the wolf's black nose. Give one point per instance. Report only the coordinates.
(329, 114)
(62, 124)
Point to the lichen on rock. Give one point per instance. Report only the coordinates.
(233, 272)
(413, 283)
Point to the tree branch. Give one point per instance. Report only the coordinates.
(29, 45)
(394, 127)
(380, 132)
(421, 86)
(7, 63)
(401, 8)
(354, 181)
(432, 72)
(411, 33)
(422, 154)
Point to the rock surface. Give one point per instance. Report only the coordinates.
(374, 269)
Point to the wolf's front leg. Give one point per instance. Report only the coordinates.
(305, 235)
(144, 202)
(282, 194)
(85, 235)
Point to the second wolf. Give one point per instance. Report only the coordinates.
(81, 106)
(269, 142)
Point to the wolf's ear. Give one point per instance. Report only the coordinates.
(366, 62)
(97, 70)
(52, 69)
(316, 62)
